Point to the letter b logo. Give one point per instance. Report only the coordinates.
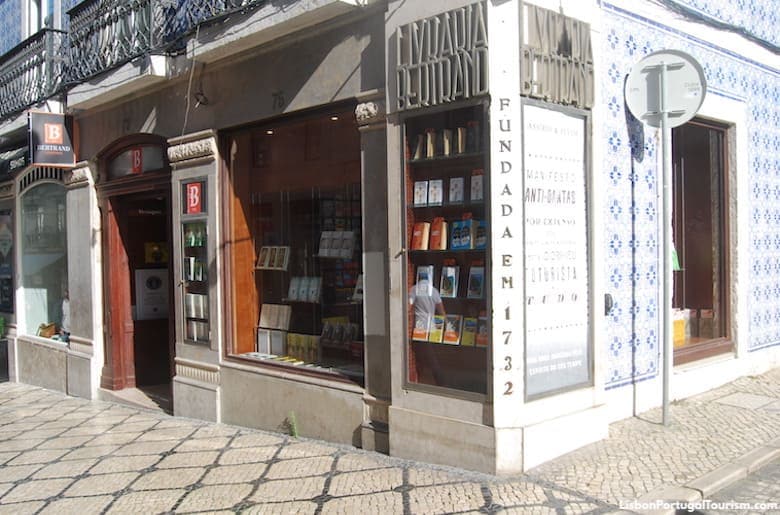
(194, 197)
(52, 133)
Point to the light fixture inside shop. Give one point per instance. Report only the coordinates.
(334, 118)
(269, 131)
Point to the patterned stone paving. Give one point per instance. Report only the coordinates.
(64, 455)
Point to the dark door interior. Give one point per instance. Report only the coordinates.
(146, 237)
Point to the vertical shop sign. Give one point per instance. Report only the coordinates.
(556, 251)
(50, 139)
(193, 198)
(506, 216)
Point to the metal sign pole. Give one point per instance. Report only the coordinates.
(684, 89)
(666, 247)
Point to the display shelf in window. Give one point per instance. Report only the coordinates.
(195, 278)
(447, 224)
(319, 234)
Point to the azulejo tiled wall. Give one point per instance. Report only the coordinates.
(10, 24)
(631, 209)
(758, 18)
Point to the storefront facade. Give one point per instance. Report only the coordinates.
(427, 229)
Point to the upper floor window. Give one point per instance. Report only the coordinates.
(40, 14)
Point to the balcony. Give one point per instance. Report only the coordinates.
(31, 72)
(106, 34)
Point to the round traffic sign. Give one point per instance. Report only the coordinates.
(667, 82)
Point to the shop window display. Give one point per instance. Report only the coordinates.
(447, 238)
(296, 246)
(44, 260)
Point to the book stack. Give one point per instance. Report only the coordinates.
(339, 332)
(448, 285)
(452, 329)
(463, 234)
(477, 189)
(469, 336)
(476, 286)
(420, 235)
(481, 339)
(438, 240)
(196, 306)
(436, 333)
(275, 316)
(430, 142)
(420, 193)
(456, 190)
(303, 347)
(273, 258)
(304, 289)
(422, 326)
(337, 244)
(272, 328)
(197, 331)
(448, 141)
(435, 192)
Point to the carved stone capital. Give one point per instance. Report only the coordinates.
(193, 146)
(369, 113)
(79, 176)
(7, 190)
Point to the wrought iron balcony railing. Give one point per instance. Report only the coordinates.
(31, 72)
(105, 34)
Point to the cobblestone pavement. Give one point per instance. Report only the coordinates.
(757, 491)
(60, 454)
(706, 432)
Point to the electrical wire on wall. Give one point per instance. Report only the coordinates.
(189, 87)
(698, 16)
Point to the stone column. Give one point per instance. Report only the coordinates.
(372, 124)
(85, 348)
(195, 157)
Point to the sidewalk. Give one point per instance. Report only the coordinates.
(60, 454)
(715, 439)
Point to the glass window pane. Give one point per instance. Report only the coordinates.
(137, 160)
(446, 220)
(195, 275)
(296, 246)
(44, 256)
(700, 276)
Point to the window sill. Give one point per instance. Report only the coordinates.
(702, 350)
(316, 376)
(46, 342)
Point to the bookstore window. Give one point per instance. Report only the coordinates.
(44, 260)
(447, 233)
(701, 303)
(295, 245)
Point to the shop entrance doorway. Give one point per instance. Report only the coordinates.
(137, 279)
(139, 311)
